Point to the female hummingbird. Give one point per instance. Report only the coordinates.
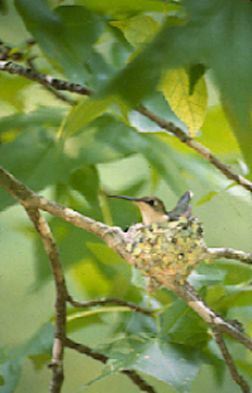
(153, 209)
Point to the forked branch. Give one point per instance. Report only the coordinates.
(115, 238)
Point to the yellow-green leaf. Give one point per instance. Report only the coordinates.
(86, 111)
(190, 108)
(137, 30)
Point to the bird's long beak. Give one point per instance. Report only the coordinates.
(125, 197)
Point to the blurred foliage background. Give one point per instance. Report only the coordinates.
(187, 61)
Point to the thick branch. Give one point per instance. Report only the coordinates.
(131, 374)
(58, 84)
(113, 236)
(230, 362)
(102, 302)
(50, 247)
(32, 202)
(229, 253)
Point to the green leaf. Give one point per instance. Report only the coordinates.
(41, 342)
(42, 117)
(11, 366)
(10, 372)
(190, 107)
(228, 272)
(181, 325)
(195, 72)
(83, 114)
(138, 29)
(86, 181)
(189, 42)
(119, 7)
(69, 255)
(173, 364)
(236, 297)
(41, 152)
(216, 129)
(207, 198)
(107, 139)
(66, 35)
(90, 276)
(12, 89)
(112, 267)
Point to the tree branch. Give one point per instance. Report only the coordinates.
(189, 295)
(131, 374)
(50, 247)
(45, 80)
(197, 146)
(28, 199)
(113, 236)
(229, 253)
(102, 302)
(115, 239)
(58, 84)
(230, 362)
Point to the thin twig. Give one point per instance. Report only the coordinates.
(115, 239)
(57, 93)
(45, 80)
(189, 295)
(230, 253)
(58, 84)
(131, 374)
(85, 350)
(104, 301)
(50, 247)
(237, 378)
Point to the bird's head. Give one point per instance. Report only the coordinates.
(152, 208)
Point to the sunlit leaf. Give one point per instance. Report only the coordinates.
(90, 278)
(190, 107)
(11, 90)
(207, 198)
(191, 42)
(115, 7)
(82, 114)
(216, 129)
(138, 29)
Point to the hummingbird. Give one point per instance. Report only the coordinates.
(153, 209)
(167, 245)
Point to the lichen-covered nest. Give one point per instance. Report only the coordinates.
(167, 251)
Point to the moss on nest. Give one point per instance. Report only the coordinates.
(167, 251)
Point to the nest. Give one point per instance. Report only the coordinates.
(168, 251)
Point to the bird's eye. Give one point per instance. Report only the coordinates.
(153, 202)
